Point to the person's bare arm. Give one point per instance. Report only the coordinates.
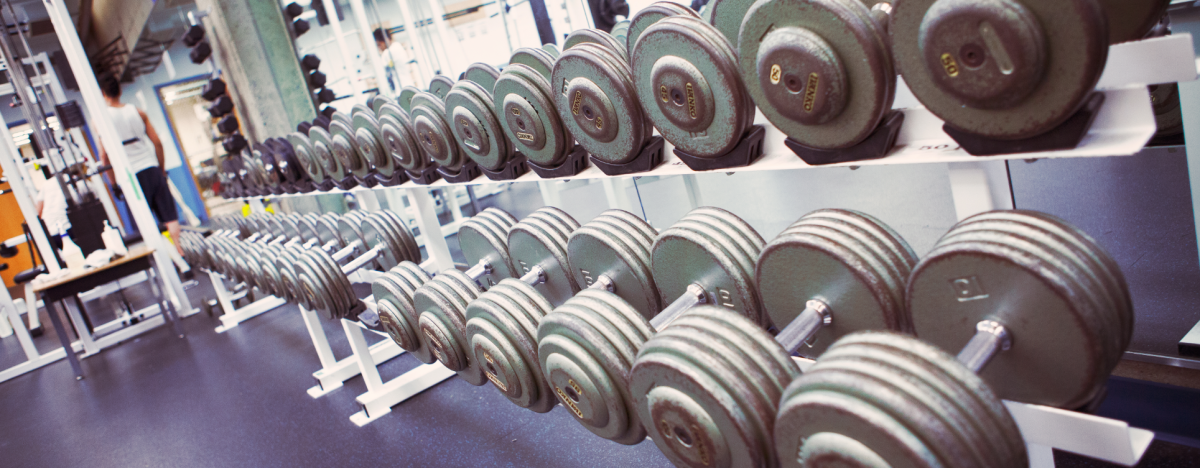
(39, 204)
(158, 146)
(103, 154)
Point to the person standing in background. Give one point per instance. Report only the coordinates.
(51, 206)
(145, 153)
(396, 61)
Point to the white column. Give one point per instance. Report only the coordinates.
(424, 63)
(331, 12)
(456, 60)
(366, 33)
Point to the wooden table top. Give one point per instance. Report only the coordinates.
(135, 252)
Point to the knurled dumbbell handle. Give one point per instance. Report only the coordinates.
(816, 314)
(694, 296)
(990, 339)
(346, 251)
(480, 269)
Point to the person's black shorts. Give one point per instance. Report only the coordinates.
(158, 194)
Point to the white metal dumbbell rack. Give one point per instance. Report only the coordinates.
(1123, 127)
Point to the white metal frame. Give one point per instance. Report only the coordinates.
(95, 104)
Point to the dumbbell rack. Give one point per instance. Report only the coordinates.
(1123, 126)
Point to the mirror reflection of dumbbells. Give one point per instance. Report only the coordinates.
(587, 346)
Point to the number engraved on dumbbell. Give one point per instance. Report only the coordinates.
(662, 93)
(564, 91)
(516, 111)
(705, 458)
(725, 298)
(491, 376)
(524, 266)
(562, 396)
(968, 289)
(587, 277)
(578, 102)
(950, 65)
(776, 73)
(691, 100)
(599, 123)
(524, 136)
(810, 91)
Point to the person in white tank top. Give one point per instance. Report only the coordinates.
(144, 152)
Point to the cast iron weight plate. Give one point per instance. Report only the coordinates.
(440, 85)
(821, 71)
(368, 135)
(689, 86)
(475, 126)
(1003, 69)
(433, 132)
(595, 98)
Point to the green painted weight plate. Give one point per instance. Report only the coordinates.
(690, 86)
(1101, 314)
(399, 138)
(620, 32)
(440, 85)
(307, 156)
(552, 49)
(327, 230)
(821, 71)
(693, 252)
(502, 330)
(586, 359)
(534, 242)
(482, 74)
(345, 148)
(349, 228)
(1098, 259)
(727, 16)
(1053, 55)
(378, 101)
(405, 235)
(1130, 20)
(526, 110)
(444, 328)
(394, 292)
(322, 145)
(475, 126)
(598, 37)
(608, 246)
(406, 96)
(335, 284)
(598, 105)
(646, 17)
(706, 406)
(962, 283)
(433, 132)
(375, 233)
(308, 227)
(369, 139)
(536, 59)
(817, 262)
(357, 108)
(342, 117)
(954, 399)
(481, 239)
(501, 217)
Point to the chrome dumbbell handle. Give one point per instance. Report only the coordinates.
(990, 339)
(694, 296)
(816, 315)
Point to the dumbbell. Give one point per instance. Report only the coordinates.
(223, 105)
(996, 269)
(831, 273)
(524, 102)
(587, 346)
(620, 31)
(1031, 303)
(193, 36)
(473, 121)
(598, 102)
(404, 100)
(440, 86)
(687, 79)
(228, 124)
(399, 138)
(1010, 69)
(213, 89)
(502, 323)
(431, 128)
(821, 71)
